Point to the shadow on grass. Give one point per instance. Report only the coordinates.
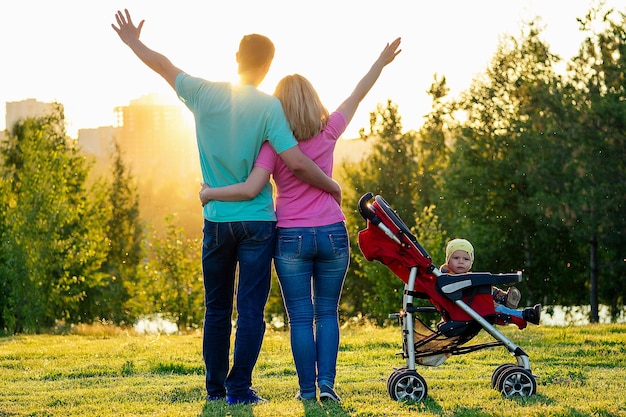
(533, 400)
(174, 368)
(221, 409)
(183, 395)
(521, 401)
(324, 408)
(311, 409)
(471, 412)
(428, 405)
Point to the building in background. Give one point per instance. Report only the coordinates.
(17, 110)
(99, 144)
(156, 138)
(157, 141)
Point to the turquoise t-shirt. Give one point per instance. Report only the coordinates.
(232, 121)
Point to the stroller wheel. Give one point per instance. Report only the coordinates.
(496, 374)
(516, 381)
(390, 379)
(406, 385)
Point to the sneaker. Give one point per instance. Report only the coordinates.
(215, 397)
(532, 314)
(513, 297)
(328, 393)
(299, 397)
(499, 296)
(250, 398)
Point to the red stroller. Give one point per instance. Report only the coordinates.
(464, 302)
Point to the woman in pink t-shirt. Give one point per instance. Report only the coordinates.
(312, 250)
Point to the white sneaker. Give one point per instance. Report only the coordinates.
(513, 297)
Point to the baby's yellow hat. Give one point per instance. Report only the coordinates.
(459, 244)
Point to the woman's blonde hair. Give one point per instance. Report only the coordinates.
(302, 106)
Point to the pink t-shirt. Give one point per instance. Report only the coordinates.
(299, 204)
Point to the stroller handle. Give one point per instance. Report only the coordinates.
(365, 208)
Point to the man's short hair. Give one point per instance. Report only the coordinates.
(255, 51)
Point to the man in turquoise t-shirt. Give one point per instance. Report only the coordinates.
(232, 121)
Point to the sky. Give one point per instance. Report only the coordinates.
(66, 51)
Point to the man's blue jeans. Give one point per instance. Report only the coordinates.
(311, 263)
(251, 245)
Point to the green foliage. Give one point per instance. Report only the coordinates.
(594, 190)
(76, 255)
(275, 312)
(53, 242)
(117, 297)
(532, 170)
(400, 171)
(505, 151)
(428, 229)
(431, 151)
(173, 285)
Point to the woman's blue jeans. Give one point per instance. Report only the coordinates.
(249, 245)
(311, 263)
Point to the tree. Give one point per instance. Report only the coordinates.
(431, 150)
(174, 284)
(595, 192)
(118, 291)
(496, 182)
(53, 242)
(389, 170)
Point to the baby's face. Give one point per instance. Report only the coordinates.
(460, 262)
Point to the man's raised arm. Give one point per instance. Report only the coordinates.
(129, 34)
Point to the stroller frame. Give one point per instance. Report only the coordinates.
(448, 296)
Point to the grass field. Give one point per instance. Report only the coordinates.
(581, 371)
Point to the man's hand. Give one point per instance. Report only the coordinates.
(127, 30)
(129, 34)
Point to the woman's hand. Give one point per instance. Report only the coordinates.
(204, 198)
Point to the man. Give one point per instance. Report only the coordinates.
(232, 121)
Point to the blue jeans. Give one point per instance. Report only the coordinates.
(311, 263)
(251, 245)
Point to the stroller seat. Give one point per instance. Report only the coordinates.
(475, 288)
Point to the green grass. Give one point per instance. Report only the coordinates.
(581, 371)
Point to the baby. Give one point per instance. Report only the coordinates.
(459, 260)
